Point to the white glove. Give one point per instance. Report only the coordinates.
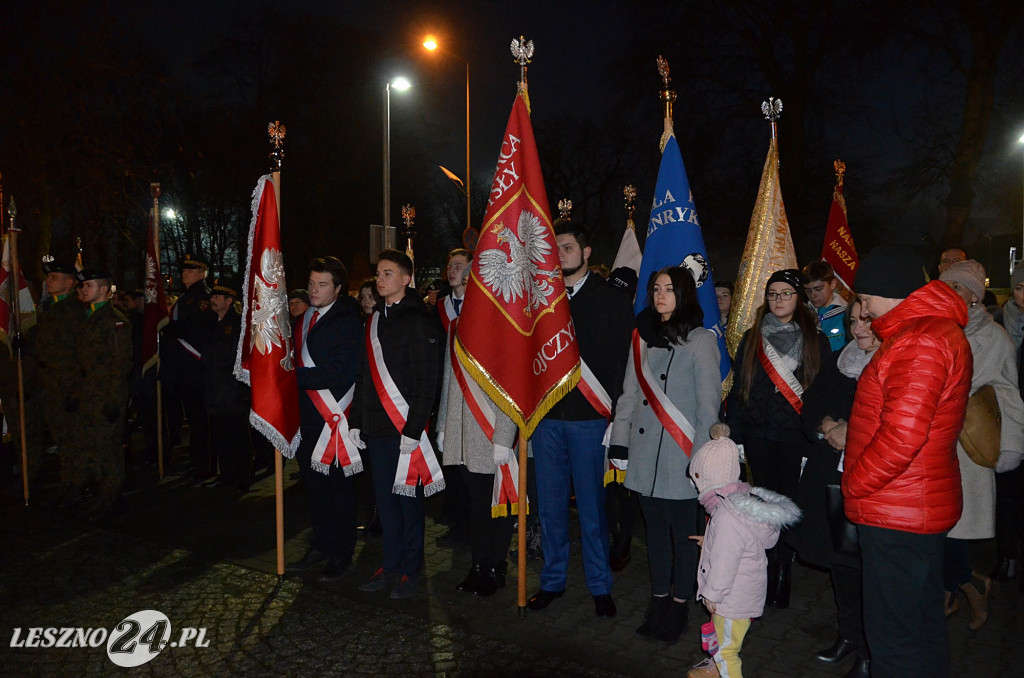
(355, 440)
(440, 441)
(1008, 460)
(502, 455)
(408, 445)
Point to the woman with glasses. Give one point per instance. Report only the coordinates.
(777, 359)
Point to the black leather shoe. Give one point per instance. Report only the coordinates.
(471, 583)
(542, 599)
(861, 669)
(491, 579)
(335, 569)
(604, 606)
(840, 650)
(308, 561)
(618, 561)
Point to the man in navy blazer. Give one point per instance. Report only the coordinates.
(328, 340)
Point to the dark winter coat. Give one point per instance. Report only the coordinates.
(191, 320)
(224, 395)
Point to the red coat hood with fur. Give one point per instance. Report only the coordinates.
(901, 470)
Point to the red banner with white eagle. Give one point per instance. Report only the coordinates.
(515, 335)
(154, 313)
(838, 249)
(265, 348)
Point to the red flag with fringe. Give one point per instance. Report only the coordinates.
(838, 249)
(264, 359)
(515, 335)
(154, 315)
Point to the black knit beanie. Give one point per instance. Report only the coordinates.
(792, 277)
(890, 271)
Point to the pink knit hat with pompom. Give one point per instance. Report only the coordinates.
(716, 464)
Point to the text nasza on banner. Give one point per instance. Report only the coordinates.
(674, 238)
(515, 336)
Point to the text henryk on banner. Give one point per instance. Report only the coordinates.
(515, 336)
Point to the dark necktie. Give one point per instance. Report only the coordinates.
(457, 303)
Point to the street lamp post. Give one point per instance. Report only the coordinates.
(430, 44)
(400, 85)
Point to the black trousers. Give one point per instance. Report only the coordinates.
(194, 401)
(401, 517)
(903, 599)
(846, 586)
(488, 537)
(229, 442)
(775, 465)
(1010, 512)
(671, 554)
(332, 507)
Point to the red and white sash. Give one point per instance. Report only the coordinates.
(593, 391)
(446, 309)
(332, 447)
(784, 379)
(506, 488)
(190, 349)
(476, 399)
(675, 423)
(421, 465)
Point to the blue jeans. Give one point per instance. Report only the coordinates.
(569, 456)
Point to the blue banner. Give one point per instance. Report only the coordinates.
(674, 239)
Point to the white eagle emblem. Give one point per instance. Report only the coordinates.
(270, 326)
(150, 280)
(514, 273)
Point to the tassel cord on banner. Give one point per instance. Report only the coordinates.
(521, 531)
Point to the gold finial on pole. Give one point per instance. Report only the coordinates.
(522, 52)
(629, 196)
(668, 98)
(840, 168)
(408, 216)
(772, 111)
(565, 209)
(276, 131)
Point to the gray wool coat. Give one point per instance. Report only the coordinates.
(464, 441)
(995, 363)
(689, 374)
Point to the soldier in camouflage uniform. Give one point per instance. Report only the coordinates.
(104, 353)
(52, 347)
(181, 359)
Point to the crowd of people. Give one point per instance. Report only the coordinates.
(840, 442)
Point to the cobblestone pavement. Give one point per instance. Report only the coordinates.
(205, 558)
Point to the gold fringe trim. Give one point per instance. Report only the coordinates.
(502, 510)
(503, 400)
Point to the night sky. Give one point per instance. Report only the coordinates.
(876, 104)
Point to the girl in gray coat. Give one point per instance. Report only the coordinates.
(681, 362)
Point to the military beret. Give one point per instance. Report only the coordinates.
(54, 266)
(192, 261)
(93, 274)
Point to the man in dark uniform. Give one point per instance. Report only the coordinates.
(181, 359)
(227, 399)
(567, 444)
(328, 340)
(52, 343)
(103, 351)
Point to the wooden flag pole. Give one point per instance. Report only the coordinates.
(276, 131)
(521, 535)
(15, 279)
(154, 190)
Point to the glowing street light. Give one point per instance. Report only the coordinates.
(399, 84)
(431, 44)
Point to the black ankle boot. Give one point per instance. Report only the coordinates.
(492, 578)
(674, 623)
(782, 585)
(1005, 570)
(861, 669)
(471, 583)
(773, 576)
(656, 611)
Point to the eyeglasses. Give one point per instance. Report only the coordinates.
(785, 296)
